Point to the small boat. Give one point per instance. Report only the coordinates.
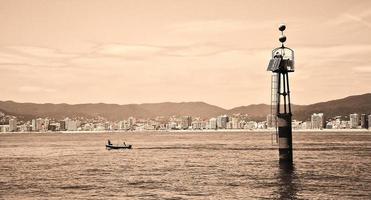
(111, 146)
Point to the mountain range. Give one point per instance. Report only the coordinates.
(26, 111)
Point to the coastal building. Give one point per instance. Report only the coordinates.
(212, 123)
(72, 125)
(306, 125)
(317, 121)
(251, 125)
(364, 121)
(39, 124)
(262, 125)
(229, 125)
(171, 125)
(88, 127)
(345, 124)
(25, 127)
(131, 121)
(33, 124)
(221, 121)
(242, 124)
(4, 128)
(354, 120)
(235, 123)
(53, 126)
(185, 122)
(46, 124)
(329, 125)
(295, 124)
(62, 125)
(12, 125)
(66, 121)
(114, 126)
(124, 125)
(197, 125)
(106, 126)
(336, 122)
(99, 127)
(271, 121)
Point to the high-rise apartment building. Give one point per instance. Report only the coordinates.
(13, 125)
(221, 121)
(354, 120)
(364, 121)
(212, 123)
(317, 121)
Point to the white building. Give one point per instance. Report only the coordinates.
(221, 121)
(197, 125)
(251, 125)
(212, 123)
(4, 128)
(354, 120)
(72, 125)
(33, 126)
(13, 125)
(235, 123)
(306, 125)
(39, 125)
(131, 121)
(172, 125)
(124, 125)
(185, 122)
(317, 121)
(229, 125)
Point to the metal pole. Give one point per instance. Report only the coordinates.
(288, 92)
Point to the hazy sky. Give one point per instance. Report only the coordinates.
(156, 51)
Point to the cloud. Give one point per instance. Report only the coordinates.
(33, 56)
(35, 89)
(196, 50)
(359, 19)
(344, 53)
(218, 26)
(128, 50)
(40, 52)
(141, 51)
(350, 18)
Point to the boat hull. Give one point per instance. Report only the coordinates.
(117, 147)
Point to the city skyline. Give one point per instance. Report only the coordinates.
(161, 123)
(211, 51)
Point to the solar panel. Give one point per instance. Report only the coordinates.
(274, 64)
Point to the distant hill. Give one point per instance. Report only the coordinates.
(345, 106)
(255, 111)
(110, 111)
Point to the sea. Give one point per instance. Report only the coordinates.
(193, 165)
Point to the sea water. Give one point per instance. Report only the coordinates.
(162, 165)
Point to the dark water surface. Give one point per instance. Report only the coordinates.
(184, 166)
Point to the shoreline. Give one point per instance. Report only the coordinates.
(202, 131)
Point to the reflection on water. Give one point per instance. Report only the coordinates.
(184, 166)
(287, 181)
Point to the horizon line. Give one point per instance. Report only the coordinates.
(179, 102)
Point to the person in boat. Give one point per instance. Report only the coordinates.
(109, 142)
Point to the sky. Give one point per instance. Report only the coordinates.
(145, 51)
